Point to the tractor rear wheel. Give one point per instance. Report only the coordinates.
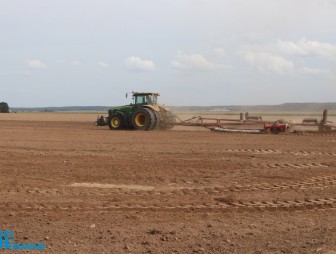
(143, 119)
(169, 121)
(157, 120)
(116, 122)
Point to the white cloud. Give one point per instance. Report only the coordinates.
(285, 57)
(194, 62)
(103, 65)
(219, 51)
(315, 71)
(76, 63)
(268, 62)
(136, 63)
(308, 48)
(36, 64)
(16, 73)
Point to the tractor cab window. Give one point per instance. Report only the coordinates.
(145, 99)
(140, 99)
(152, 99)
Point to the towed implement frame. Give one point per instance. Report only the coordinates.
(274, 127)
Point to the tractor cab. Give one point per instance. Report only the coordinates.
(145, 98)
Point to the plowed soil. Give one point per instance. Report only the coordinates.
(79, 188)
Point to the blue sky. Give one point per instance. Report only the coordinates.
(194, 52)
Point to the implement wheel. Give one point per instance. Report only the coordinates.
(115, 122)
(275, 130)
(143, 119)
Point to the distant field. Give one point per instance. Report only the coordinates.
(198, 112)
(51, 116)
(183, 115)
(261, 113)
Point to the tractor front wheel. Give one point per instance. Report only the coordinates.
(115, 122)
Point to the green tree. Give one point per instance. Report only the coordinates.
(4, 107)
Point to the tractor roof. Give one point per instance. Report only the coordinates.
(137, 93)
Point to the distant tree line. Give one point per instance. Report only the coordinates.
(4, 107)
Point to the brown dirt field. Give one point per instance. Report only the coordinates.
(85, 189)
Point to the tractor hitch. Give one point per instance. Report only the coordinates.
(101, 121)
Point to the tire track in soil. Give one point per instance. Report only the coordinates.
(319, 182)
(307, 153)
(32, 150)
(254, 151)
(271, 151)
(317, 134)
(322, 203)
(292, 165)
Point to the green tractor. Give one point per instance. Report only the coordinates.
(143, 114)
